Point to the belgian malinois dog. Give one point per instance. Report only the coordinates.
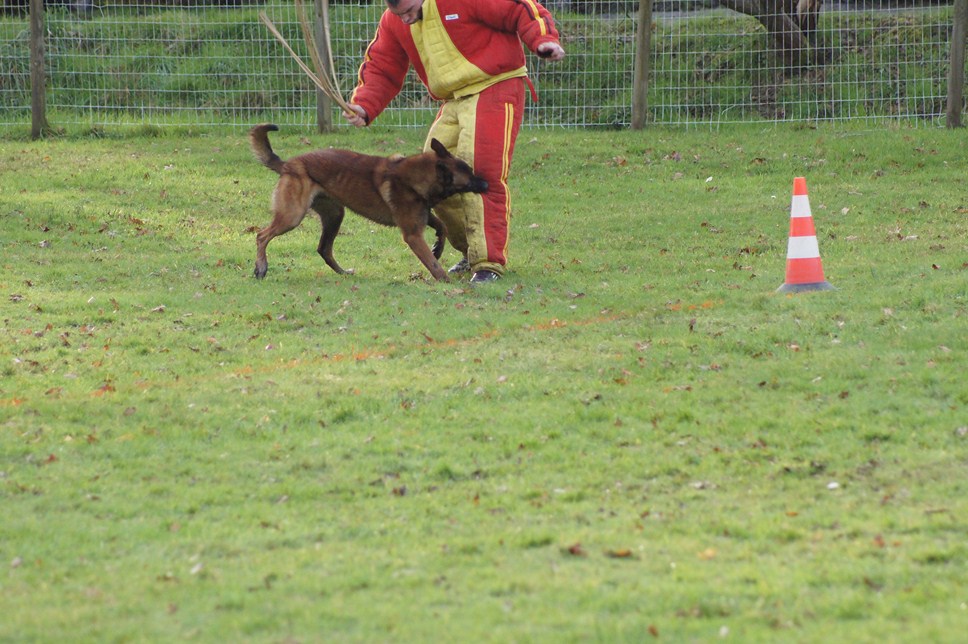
(394, 191)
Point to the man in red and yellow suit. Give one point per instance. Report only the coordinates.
(468, 53)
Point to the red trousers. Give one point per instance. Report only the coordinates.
(481, 129)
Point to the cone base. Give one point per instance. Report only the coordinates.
(800, 288)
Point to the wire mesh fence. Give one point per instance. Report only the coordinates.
(201, 63)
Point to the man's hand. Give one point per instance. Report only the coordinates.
(551, 51)
(358, 118)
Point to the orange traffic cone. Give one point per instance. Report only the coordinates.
(804, 271)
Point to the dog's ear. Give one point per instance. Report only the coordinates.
(439, 148)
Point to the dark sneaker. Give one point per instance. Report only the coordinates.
(484, 276)
(460, 267)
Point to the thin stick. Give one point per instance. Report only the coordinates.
(314, 51)
(329, 44)
(310, 42)
(320, 80)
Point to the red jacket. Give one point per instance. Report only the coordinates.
(459, 48)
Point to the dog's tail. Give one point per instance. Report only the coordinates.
(259, 138)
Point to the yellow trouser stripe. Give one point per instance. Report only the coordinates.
(506, 167)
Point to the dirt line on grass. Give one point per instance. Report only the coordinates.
(433, 343)
(361, 355)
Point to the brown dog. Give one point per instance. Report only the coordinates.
(396, 191)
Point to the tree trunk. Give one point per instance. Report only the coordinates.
(791, 26)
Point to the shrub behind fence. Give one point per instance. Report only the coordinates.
(215, 64)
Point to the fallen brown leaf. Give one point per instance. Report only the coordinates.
(575, 550)
(620, 553)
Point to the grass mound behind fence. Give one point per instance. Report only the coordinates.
(728, 76)
(631, 436)
(713, 67)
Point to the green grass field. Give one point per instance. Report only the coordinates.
(631, 438)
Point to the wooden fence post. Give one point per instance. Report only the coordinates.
(38, 77)
(643, 62)
(956, 65)
(324, 105)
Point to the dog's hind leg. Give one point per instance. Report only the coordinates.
(331, 217)
(288, 212)
(434, 222)
(262, 240)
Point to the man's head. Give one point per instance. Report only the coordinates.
(409, 11)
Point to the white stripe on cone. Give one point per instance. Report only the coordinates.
(803, 248)
(800, 206)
